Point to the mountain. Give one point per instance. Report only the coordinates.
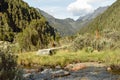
(24, 25)
(93, 15)
(63, 26)
(84, 20)
(69, 26)
(110, 19)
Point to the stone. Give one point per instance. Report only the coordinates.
(78, 67)
(60, 73)
(44, 52)
(31, 70)
(108, 69)
(26, 75)
(75, 67)
(58, 67)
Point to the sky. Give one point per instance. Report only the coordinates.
(68, 8)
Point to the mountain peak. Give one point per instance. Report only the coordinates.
(107, 20)
(90, 16)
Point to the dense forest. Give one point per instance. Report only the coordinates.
(24, 25)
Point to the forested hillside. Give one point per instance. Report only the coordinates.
(63, 26)
(103, 32)
(22, 24)
(68, 26)
(110, 19)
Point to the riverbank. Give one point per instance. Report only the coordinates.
(65, 57)
(67, 65)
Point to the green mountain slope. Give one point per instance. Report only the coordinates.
(68, 26)
(110, 19)
(24, 25)
(63, 26)
(85, 20)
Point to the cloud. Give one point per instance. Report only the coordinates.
(83, 7)
(68, 8)
(57, 12)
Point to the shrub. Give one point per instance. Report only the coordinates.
(8, 66)
(83, 41)
(109, 39)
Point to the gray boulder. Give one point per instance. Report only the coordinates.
(44, 52)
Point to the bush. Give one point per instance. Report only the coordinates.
(83, 41)
(8, 66)
(109, 39)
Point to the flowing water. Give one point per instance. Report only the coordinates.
(90, 73)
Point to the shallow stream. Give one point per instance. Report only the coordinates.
(89, 73)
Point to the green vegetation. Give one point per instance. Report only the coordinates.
(8, 66)
(108, 20)
(109, 39)
(63, 26)
(64, 58)
(29, 31)
(24, 25)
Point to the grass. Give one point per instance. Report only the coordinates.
(63, 58)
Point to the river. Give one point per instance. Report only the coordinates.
(89, 73)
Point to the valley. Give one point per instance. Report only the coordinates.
(35, 45)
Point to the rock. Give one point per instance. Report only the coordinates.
(44, 52)
(46, 71)
(108, 69)
(78, 67)
(47, 74)
(56, 73)
(75, 67)
(60, 73)
(90, 73)
(31, 70)
(58, 67)
(26, 75)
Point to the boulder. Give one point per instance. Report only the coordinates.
(44, 52)
(46, 74)
(60, 73)
(79, 66)
(75, 67)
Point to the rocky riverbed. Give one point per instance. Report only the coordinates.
(80, 71)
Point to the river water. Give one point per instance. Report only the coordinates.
(90, 73)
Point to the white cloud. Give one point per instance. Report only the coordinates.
(79, 7)
(83, 7)
(68, 8)
(57, 12)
